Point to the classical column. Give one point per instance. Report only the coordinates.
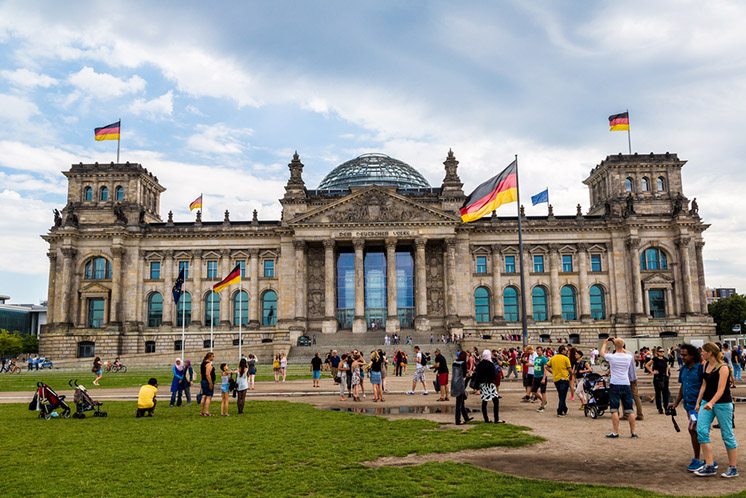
(359, 324)
(497, 286)
(554, 267)
(392, 315)
(452, 319)
(421, 322)
(225, 295)
(633, 254)
(254, 311)
(329, 326)
(300, 280)
(669, 301)
(686, 279)
(115, 310)
(52, 287)
(702, 290)
(583, 294)
(195, 272)
(168, 284)
(68, 255)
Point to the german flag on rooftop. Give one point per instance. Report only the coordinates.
(619, 122)
(490, 195)
(108, 132)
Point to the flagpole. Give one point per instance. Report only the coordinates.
(240, 318)
(629, 138)
(183, 317)
(119, 140)
(524, 325)
(212, 316)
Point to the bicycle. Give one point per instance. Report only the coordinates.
(116, 368)
(11, 368)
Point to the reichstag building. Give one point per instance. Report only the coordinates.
(374, 247)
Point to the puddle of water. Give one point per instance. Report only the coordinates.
(396, 410)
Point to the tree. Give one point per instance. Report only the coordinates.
(10, 344)
(30, 343)
(728, 312)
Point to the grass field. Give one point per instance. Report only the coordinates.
(26, 381)
(276, 448)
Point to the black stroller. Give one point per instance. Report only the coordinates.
(46, 401)
(84, 402)
(597, 395)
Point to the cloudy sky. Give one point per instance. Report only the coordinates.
(215, 99)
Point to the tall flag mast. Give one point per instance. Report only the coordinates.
(177, 292)
(233, 277)
(109, 132)
(620, 122)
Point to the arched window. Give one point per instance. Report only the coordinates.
(269, 308)
(241, 308)
(510, 304)
(482, 305)
(104, 196)
(184, 310)
(653, 258)
(661, 184)
(645, 184)
(155, 309)
(628, 184)
(87, 194)
(212, 308)
(97, 269)
(119, 193)
(569, 303)
(598, 303)
(539, 303)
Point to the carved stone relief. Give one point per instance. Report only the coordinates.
(436, 298)
(377, 206)
(315, 281)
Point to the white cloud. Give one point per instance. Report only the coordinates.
(219, 139)
(22, 217)
(46, 160)
(16, 109)
(155, 108)
(104, 85)
(22, 77)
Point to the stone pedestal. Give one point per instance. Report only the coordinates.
(422, 324)
(392, 325)
(359, 326)
(329, 326)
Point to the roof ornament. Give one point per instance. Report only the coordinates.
(452, 186)
(170, 218)
(255, 218)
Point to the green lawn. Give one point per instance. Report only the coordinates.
(26, 381)
(276, 448)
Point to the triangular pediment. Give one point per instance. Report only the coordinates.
(658, 278)
(94, 288)
(374, 205)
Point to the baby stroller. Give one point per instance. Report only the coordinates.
(46, 401)
(597, 395)
(84, 402)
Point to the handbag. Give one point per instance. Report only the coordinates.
(473, 382)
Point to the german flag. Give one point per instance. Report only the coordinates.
(233, 277)
(619, 122)
(108, 132)
(492, 194)
(196, 203)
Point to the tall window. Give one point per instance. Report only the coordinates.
(569, 303)
(628, 184)
(212, 269)
(598, 303)
(539, 303)
(269, 268)
(184, 265)
(645, 184)
(269, 308)
(567, 263)
(509, 264)
(155, 270)
(374, 264)
(405, 288)
(657, 300)
(242, 264)
(119, 193)
(538, 264)
(155, 310)
(104, 196)
(345, 288)
(241, 308)
(653, 258)
(482, 305)
(481, 264)
(184, 310)
(96, 312)
(510, 304)
(661, 184)
(596, 262)
(87, 194)
(212, 308)
(97, 269)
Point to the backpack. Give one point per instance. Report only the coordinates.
(423, 359)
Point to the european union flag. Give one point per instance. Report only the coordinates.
(177, 286)
(540, 197)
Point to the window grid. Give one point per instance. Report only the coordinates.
(539, 303)
(567, 263)
(509, 264)
(538, 264)
(482, 305)
(269, 268)
(510, 304)
(184, 265)
(569, 303)
(212, 269)
(596, 262)
(155, 270)
(481, 264)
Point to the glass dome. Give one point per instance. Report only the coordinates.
(373, 169)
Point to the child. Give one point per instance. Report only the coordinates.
(146, 398)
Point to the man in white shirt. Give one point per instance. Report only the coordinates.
(419, 371)
(619, 390)
(594, 355)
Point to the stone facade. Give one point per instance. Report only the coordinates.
(631, 266)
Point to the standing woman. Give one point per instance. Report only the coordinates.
(384, 370)
(375, 375)
(715, 401)
(658, 366)
(276, 367)
(252, 371)
(207, 383)
(283, 366)
(243, 384)
(485, 379)
(355, 367)
(98, 369)
(342, 370)
(225, 388)
(458, 386)
(186, 384)
(177, 370)
(581, 369)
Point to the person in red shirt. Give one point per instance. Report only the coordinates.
(512, 362)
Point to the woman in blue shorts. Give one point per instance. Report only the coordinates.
(374, 367)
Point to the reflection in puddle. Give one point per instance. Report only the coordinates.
(396, 410)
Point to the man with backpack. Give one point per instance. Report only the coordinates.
(691, 375)
(419, 371)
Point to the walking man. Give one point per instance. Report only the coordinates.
(419, 371)
(539, 387)
(440, 367)
(620, 391)
(512, 362)
(559, 366)
(690, 378)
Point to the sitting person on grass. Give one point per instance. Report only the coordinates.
(146, 398)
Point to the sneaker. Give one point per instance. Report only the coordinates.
(410, 392)
(634, 436)
(425, 393)
(561, 415)
(695, 465)
(706, 471)
(540, 409)
(731, 472)
(612, 435)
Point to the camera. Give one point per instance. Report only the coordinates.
(670, 411)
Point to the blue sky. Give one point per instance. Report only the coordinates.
(215, 98)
